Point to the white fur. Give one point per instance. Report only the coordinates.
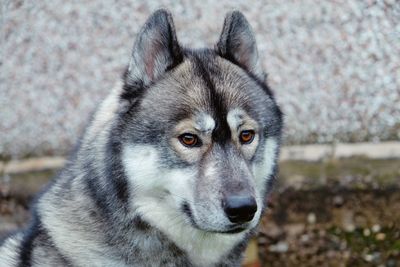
(262, 171)
(235, 118)
(9, 251)
(205, 123)
(150, 181)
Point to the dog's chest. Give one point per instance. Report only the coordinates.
(153, 248)
(149, 247)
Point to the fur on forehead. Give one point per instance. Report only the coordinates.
(203, 83)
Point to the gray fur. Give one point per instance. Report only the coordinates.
(133, 194)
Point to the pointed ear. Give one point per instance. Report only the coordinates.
(238, 44)
(156, 49)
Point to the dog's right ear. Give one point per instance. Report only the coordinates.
(155, 51)
(237, 43)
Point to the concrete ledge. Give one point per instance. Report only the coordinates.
(314, 152)
(31, 165)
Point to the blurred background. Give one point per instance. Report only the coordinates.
(334, 67)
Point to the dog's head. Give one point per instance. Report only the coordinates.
(200, 129)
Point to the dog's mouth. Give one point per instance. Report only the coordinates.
(235, 230)
(232, 229)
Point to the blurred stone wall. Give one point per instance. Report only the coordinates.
(334, 65)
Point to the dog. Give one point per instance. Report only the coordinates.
(174, 168)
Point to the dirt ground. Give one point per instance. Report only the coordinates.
(332, 213)
(325, 227)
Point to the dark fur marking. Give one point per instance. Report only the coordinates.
(132, 91)
(99, 198)
(140, 224)
(177, 252)
(115, 171)
(186, 210)
(222, 132)
(29, 236)
(44, 237)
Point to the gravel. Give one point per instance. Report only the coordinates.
(334, 65)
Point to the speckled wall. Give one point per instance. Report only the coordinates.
(334, 65)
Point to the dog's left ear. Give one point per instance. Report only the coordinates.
(238, 44)
(156, 49)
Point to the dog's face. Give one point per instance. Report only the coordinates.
(201, 129)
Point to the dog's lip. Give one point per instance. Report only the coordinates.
(231, 229)
(235, 230)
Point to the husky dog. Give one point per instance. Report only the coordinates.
(174, 169)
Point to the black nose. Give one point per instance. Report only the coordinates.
(240, 209)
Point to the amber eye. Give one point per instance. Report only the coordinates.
(246, 137)
(189, 140)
